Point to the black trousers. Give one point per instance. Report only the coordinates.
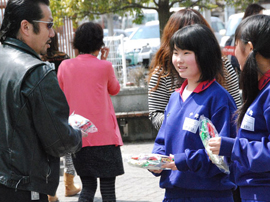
(11, 195)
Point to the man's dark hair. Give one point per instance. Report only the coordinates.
(18, 10)
(88, 37)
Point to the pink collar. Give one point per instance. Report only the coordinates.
(264, 80)
(201, 87)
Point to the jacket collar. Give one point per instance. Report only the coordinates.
(201, 87)
(21, 45)
(264, 80)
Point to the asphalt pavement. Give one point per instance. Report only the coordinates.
(136, 185)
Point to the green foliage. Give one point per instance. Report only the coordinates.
(241, 4)
(79, 9)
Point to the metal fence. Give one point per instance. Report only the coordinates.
(65, 37)
(118, 60)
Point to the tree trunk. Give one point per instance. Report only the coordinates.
(163, 14)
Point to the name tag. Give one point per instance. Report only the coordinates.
(34, 196)
(191, 125)
(248, 123)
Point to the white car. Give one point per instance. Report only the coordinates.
(233, 22)
(116, 32)
(148, 50)
(145, 36)
(218, 27)
(129, 31)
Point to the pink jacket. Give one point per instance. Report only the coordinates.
(88, 83)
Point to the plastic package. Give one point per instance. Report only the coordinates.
(82, 123)
(207, 131)
(149, 161)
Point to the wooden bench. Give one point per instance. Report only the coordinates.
(121, 115)
(135, 126)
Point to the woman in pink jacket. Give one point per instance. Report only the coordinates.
(88, 83)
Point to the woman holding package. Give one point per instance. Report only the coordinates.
(88, 83)
(196, 57)
(250, 151)
(163, 79)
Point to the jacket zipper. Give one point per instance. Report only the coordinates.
(48, 174)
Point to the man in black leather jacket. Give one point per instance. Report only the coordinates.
(34, 129)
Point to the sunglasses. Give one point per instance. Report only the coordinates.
(49, 24)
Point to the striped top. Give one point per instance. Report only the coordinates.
(159, 98)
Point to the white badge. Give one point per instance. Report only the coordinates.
(191, 125)
(248, 123)
(34, 196)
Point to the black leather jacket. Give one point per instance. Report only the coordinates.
(34, 130)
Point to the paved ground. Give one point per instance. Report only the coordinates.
(135, 185)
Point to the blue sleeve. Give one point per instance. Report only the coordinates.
(198, 160)
(252, 155)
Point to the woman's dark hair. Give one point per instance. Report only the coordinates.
(202, 41)
(162, 59)
(54, 46)
(254, 29)
(18, 10)
(88, 38)
(253, 9)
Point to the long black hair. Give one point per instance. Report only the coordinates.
(254, 29)
(18, 10)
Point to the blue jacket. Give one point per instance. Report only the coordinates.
(251, 149)
(179, 135)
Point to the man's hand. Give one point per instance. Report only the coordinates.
(214, 145)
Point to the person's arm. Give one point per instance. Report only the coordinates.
(158, 99)
(232, 82)
(156, 119)
(113, 83)
(159, 146)
(251, 155)
(198, 161)
(50, 112)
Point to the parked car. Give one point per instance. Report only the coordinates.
(227, 41)
(232, 24)
(116, 32)
(147, 52)
(129, 31)
(142, 43)
(218, 27)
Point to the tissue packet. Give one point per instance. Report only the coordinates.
(207, 131)
(149, 161)
(82, 123)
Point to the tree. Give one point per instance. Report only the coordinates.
(79, 9)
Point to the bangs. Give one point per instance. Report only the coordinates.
(183, 41)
